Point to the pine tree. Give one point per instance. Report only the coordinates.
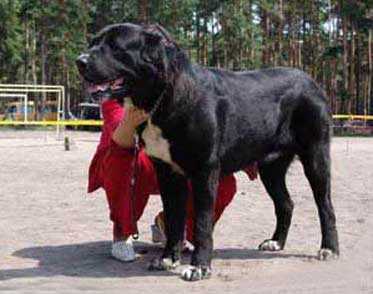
(10, 41)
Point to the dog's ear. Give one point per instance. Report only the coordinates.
(152, 39)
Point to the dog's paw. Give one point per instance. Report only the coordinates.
(196, 273)
(326, 254)
(163, 264)
(270, 245)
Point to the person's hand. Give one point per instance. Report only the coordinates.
(135, 117)
(124, 134)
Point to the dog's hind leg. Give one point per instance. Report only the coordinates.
(174, 193)
(272, 175)
(316, 164)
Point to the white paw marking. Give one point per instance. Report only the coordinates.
(188, 273)
(326, 254)
(157, 146)
(193, 273)
(270, 245)
(162, 264)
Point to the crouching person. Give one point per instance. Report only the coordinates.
(112, 169)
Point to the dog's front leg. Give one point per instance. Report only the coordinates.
(204, 191)
(174, 193)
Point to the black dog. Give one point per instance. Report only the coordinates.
(209, 122)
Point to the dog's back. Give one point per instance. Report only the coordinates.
(263, 113)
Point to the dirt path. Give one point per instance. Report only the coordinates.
(54, 237)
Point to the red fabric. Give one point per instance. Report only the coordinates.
(112, 114)
(117, 174)
(226, 190)
(111, 169)
(252, 171)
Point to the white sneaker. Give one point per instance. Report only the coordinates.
(123, 250)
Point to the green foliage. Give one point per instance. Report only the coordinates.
(332, 52)
(10, 39)
(44, 37)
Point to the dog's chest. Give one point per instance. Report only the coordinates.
(157, 146)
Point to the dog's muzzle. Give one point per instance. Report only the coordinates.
(114, 89)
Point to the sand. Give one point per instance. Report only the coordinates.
(56, 238)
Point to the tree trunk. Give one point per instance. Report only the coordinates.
(357, 66)
(370, 74)
(280, 30)
(43, 59)
(27, 50)
(33, 55)
(213, 41)
(174, 24)
(252, 36)
(303, 45)
(351, 80)
(205, 36)
(345, 58)
(265, 36)
(198, 35)
(143, 11)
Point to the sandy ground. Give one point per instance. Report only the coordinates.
(56, 238)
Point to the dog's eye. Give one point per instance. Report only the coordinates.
(114, 46)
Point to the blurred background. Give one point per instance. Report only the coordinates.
(329, 39)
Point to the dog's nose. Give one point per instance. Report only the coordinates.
(82, 61)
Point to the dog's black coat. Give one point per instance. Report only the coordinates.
(218, 122)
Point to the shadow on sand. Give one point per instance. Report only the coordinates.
(93, 260)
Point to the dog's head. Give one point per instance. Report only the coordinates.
(129, 60)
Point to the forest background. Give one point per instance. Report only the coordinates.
(329, 39)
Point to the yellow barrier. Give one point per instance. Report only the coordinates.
(99, 122)
(52, 123)
(353, 117)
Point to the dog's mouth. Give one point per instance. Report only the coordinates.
(106, 86)
(111, 89)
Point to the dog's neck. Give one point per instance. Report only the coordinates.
(160, 95)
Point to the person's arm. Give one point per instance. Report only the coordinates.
(124, 134)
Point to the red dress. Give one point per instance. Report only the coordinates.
(112, 166)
